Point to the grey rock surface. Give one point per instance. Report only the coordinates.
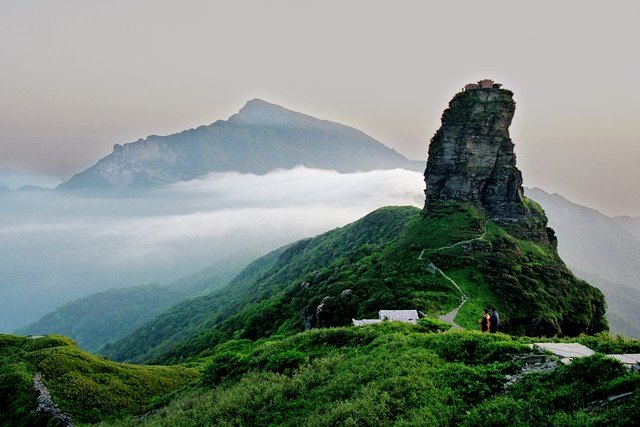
(471, 157)
(46, 404)
(565, 350)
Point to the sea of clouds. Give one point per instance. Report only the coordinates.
(56, 246)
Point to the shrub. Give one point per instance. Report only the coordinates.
(501, 411)
(593, 377)
(432, 324)
(222, 366)
(341, 337)
(370, 408)
(605, 343)
(286, 361)
(500, 350)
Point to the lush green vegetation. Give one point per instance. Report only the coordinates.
(87, 387)
(526, 281)
(398, 374)
(462, 111)
(383, 262)
(270, 295)
(257, 367)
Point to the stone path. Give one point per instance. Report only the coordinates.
(629, 360)
(46, 405)
(566, 351)
(569, 351)
(466, 242)
(534, 362)
(450, 316)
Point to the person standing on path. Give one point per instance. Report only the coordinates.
(494, 320)
(485, 321)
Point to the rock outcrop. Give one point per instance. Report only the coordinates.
(471, 156)
(47, 406)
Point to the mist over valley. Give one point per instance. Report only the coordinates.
(56, 246)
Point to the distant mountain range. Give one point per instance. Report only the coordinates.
(260, 138)
(602, 250)
(105, 317)
(630, 223)
(15, 179)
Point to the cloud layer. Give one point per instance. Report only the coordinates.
(56, 246)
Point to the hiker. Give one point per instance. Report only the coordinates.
(494, 321)
(485, 320)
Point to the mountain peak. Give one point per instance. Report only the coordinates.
(260, 112)
(257, 104)
(261, 103)
(471, 157)
(260, 138)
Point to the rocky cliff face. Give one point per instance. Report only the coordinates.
(471, 156)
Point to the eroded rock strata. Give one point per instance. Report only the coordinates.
(472, 160)
(471, 156)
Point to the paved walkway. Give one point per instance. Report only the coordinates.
(566, 351)
(629, 359)
(450, 316)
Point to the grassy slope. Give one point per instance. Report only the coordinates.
(372, 264)
(85, 386)
(398, 374)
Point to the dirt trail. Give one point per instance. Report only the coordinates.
(450, 316)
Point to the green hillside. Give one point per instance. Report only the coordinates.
(87, 387)
(105, 317)
(401, 375)
(256, 365)
(159, 334)
(385, 261)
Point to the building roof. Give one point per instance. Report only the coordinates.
(403, 315)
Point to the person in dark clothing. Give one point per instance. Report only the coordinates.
(485, 321)
(494, 321)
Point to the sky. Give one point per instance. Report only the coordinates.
(78, 76)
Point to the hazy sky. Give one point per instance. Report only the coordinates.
(78, 76)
